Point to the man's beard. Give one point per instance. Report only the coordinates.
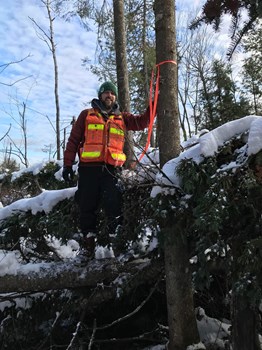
(108, 103)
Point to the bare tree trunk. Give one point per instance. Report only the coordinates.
(48, 38)
(181, 318)
(24, 131)
(145, 65)
(53, 50)
(144, 43)
(122, 71)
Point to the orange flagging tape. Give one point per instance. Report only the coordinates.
(153, 104)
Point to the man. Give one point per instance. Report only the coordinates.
(98, 138)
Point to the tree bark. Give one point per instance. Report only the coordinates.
(244, 325)
(122, 72)
(48, 38)
(181, 317)
(57, 105)
(243, 317)
(167, 111)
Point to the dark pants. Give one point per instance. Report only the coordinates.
(98, 187)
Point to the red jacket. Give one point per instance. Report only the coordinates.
(77, 135)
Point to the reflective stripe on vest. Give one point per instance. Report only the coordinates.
(96, 127)
(118, 156)
(117, 131)
(90, 154)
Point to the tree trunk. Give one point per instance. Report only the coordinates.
(24, 131)
(48, 38)
(244, 335)
(167, 111)
(122, 72)
(181, 317)
(243, 317)
(57, 106)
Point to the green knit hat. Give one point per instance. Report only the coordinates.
(107, 86)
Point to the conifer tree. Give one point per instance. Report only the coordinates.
(252, 72)
(220, 99)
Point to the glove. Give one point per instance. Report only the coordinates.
(68, 173)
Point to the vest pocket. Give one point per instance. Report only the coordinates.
(115, 157)
(116, 137)
(92, 153)
(94, 133)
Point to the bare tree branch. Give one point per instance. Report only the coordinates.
(6, 134)
(44, 36)
(93, 335)
(48, 38)
(6, 65)
(121, 319)
(16, 81)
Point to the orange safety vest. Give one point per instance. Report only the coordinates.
(104, 140)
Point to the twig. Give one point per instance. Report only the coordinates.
(74, 336)
(16, 81)
(58, 314)
(134, 311)
(92, 336)
(6, 132)
(143, 336)
(5, 65)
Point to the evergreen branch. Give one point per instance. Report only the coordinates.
(238, 37)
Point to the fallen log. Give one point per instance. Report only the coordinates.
(68, 275)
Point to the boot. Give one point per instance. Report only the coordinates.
(87, 246)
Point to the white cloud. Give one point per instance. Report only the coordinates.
(76, 85)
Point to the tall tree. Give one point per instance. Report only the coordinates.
(195, 52)
(181, 317)
(140, 48)
(220, 100)
(252, 70)
(122, 71)
(48, 38)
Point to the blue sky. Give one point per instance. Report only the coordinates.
(77, 86)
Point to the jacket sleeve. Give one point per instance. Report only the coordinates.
(136, 122)
(75, 139)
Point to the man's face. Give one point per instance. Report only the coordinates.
(108, 99)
